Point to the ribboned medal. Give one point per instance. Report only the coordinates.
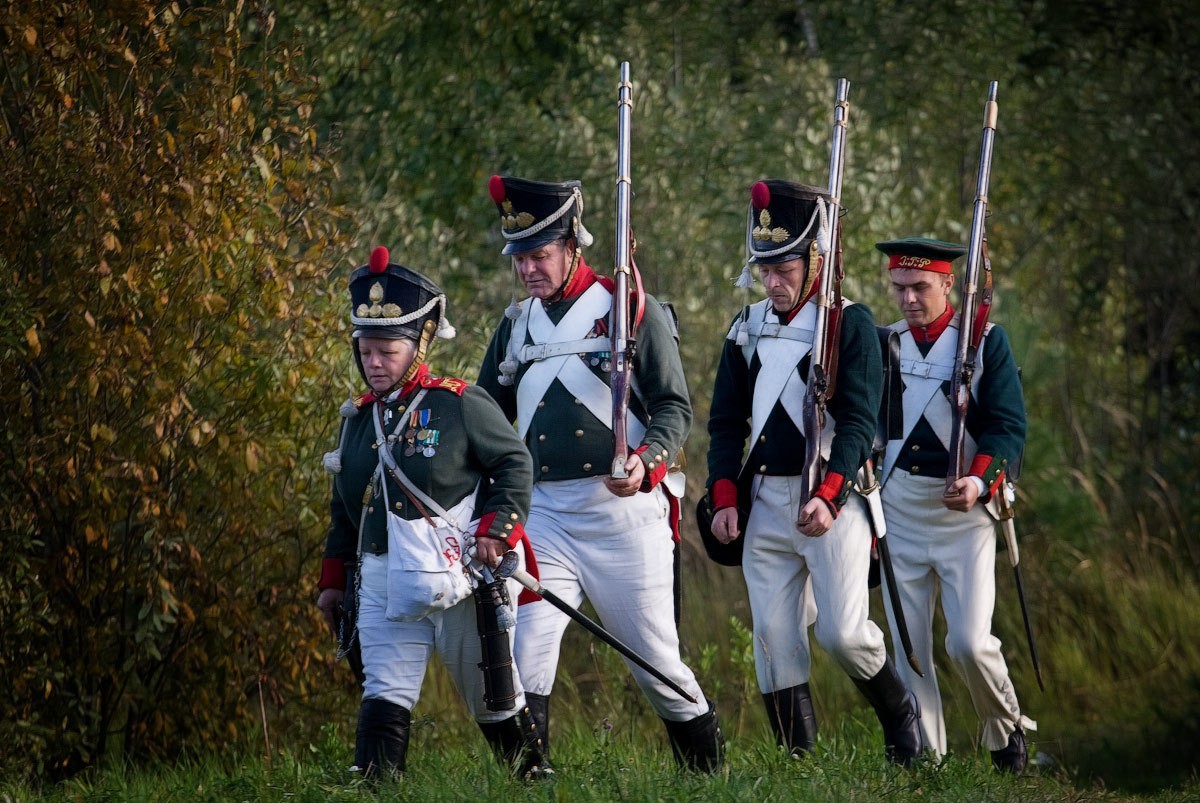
(431, 442)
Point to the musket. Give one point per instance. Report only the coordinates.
(509, 568)
(969, 330)
(817, 393)
(622, 332)
(972, 324)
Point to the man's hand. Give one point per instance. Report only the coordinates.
(961, 496)
(628, 486)
(815, 518)
(330, 603)
(489, 551)
(725, 525)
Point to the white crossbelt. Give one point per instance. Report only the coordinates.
(554, 354)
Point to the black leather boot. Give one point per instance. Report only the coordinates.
(515, 742)
(539, 709)
(792, 718)
(1013, 756)
(381, 742)
(698, 744)
(898, 713)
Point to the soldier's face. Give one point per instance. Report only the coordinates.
(385, 361)
(921, 294)
(543, 270)
(784, 282)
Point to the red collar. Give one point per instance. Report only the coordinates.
(930, 333)
(583, 278)
(412, 384)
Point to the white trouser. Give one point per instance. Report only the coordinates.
(933, 548)
(395, 654)
(618, 552)
(780, 561)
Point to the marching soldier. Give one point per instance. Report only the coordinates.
(947, 542)
(790, 541)
(427, 474)
(609, 540)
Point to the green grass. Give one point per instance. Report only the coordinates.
(599, 766)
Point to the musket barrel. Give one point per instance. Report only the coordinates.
(619, 326)
(964, 357)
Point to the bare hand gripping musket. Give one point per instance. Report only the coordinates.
(823, 362)
(622, 331)
(976, 305)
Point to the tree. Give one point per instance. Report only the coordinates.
(164, 233)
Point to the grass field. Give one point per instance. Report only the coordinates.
(592, 766)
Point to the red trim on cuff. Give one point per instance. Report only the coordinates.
(724, 494)
(333, 574)
(979, 467)
(516, 536)
(653, 475)
(830, 489)
(531, 568)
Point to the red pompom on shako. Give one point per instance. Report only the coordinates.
(760, 195)
(379, 259)
(496, 189)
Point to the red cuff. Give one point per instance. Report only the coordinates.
(656, 468)
(724, 494)
(511, 532)
(831, 490)
(333, 574)
(988, 469)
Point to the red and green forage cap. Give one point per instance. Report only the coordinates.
(921, 253)
(533, 213)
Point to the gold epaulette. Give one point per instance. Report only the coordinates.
(449, 383)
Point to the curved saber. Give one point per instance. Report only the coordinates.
(509, 568)
(879, 530)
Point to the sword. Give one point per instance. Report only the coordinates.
(508, 568)
(879, 530)
(1004, 502)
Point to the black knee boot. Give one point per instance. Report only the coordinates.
(539, 709)
(792, 718)
(898, 713)
(381, 742)
(515, 742)
(698, 744)
(1013, 756)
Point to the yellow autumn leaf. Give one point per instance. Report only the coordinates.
(251, 457)
(30, 36)
(31, 338)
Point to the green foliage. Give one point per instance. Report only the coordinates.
(163, 287)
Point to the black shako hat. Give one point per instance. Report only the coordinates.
(392, 302)
(533, 213)
(784, 220)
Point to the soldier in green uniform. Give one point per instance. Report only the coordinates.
(801, 551)
(431, 488)
(946, 542)
(609, 540)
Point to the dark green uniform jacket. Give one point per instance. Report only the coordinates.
(472, 444)
(564, 438)
(780, 448)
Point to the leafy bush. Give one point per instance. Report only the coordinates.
(165, 236)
